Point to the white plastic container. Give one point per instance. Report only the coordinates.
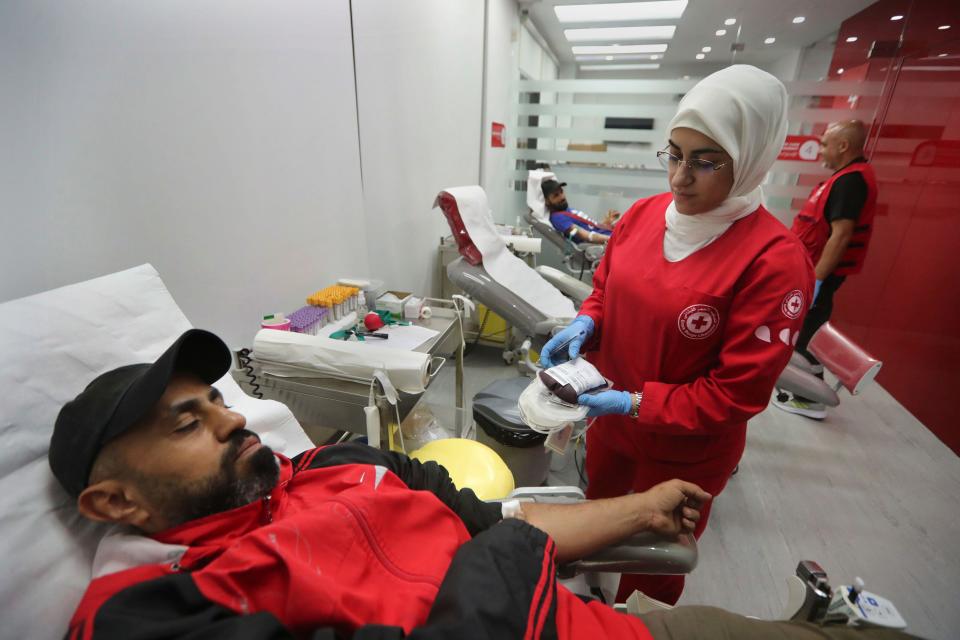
(371, 288)
(393, 301)
(411, 309)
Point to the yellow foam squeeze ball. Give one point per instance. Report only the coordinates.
(471, 465)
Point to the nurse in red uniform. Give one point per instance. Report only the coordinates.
(696, 305)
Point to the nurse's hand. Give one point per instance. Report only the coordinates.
(607, 403)
(574, 334)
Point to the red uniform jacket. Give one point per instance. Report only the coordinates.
(704, 338)
(813, 228)
(352, 541)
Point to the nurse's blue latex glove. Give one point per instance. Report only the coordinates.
(816, 291)
(607, 403)
(574, 335)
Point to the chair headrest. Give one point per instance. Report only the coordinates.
(854, 367)
(535, 201)
(53, 343)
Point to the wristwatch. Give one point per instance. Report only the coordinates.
(635, 408)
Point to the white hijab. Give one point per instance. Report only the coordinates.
(744, 110)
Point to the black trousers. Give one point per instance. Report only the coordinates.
(818, 314)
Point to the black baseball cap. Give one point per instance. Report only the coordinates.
(550, 186)
(116, 400)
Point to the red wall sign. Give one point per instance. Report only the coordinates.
(497, 136)
(802, 148)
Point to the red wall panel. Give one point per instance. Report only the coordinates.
(905, 306)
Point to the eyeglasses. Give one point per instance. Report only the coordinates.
(696, 165)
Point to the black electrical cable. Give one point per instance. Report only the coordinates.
(243, 357)
(469, 348)
(583, 480)
(598, 594)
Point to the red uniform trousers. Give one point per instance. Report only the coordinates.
(616, 466)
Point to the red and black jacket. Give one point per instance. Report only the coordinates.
(342, 548)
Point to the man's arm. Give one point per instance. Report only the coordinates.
(589, 236)
(568, 229)
(840, 234)
(476, 514)
(670, 508)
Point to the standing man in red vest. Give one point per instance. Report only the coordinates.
(835, 226)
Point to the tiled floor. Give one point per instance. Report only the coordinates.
(869, 492)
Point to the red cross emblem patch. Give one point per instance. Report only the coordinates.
(698, 321)
(792, 304)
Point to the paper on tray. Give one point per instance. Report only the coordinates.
(407, 337)
(409, 371)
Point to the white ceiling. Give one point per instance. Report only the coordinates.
(756, 20)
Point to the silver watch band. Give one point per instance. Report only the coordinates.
(638, 397)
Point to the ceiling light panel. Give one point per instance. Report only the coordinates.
(799, 20)
(769, 40)
(621, 11)
(612, 50)
(730, 22)
(606, 34)
(617, 58)
(701, 56)
(617, 67)
(721, 32)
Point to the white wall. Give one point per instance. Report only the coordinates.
(786, 66)
(531, 54)
(500, 101)
(214, 138)
(815, 59)
(548, 71)
(511, 49)
(419, 86)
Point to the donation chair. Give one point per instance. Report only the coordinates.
(468, 273)
(576, 290)
(53, 343)
(854, 368)
(579, 259)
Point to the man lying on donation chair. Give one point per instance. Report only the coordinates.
(248, 544)
(574, 224)
(231, 540)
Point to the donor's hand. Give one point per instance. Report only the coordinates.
(673, 507)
